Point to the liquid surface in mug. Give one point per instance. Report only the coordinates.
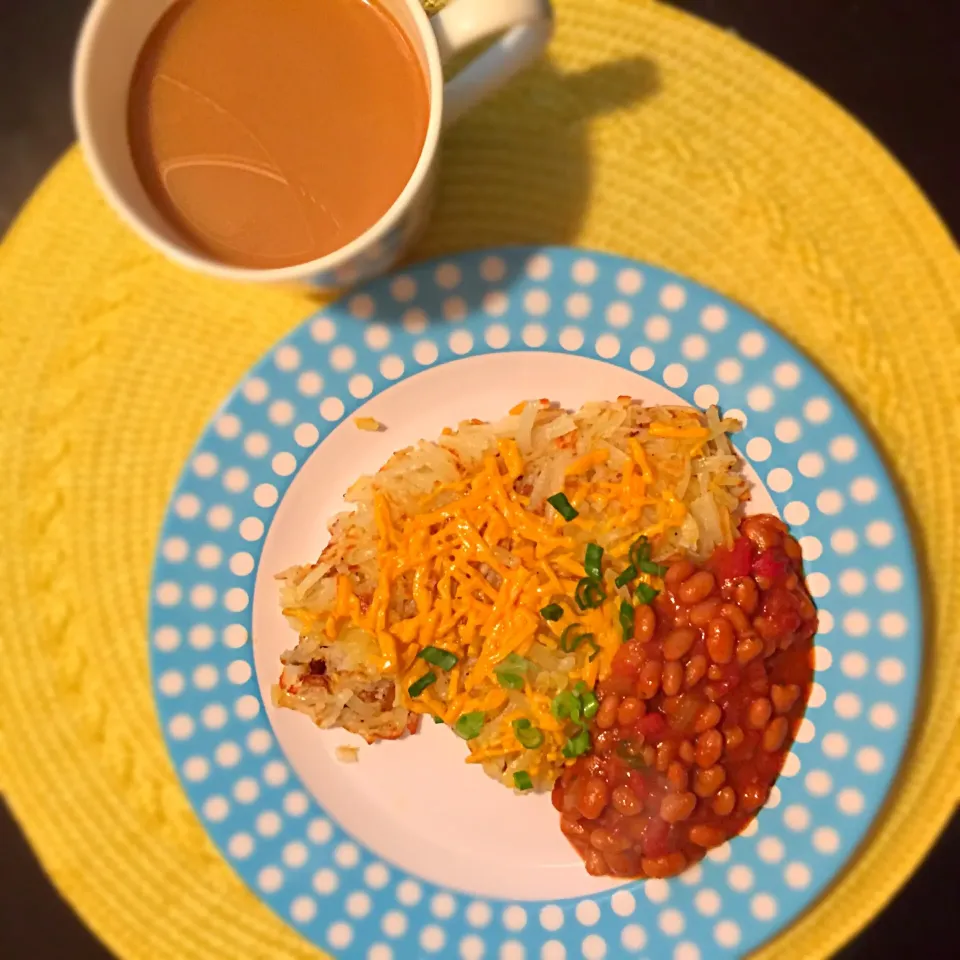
(272, 132)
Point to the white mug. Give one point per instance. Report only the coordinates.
(116, 30)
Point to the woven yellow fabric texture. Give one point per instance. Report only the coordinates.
(646, 132)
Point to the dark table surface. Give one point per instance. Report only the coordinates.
(894, 64)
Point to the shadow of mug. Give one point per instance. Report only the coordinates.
(517, 168)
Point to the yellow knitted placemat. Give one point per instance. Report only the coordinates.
(646, 132)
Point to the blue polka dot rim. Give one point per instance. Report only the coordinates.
(506, 321)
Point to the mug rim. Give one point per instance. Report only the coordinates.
(185, 257)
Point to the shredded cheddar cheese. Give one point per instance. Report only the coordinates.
(466, 568)
(368, 423)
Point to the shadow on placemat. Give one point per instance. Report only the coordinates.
(532, 159)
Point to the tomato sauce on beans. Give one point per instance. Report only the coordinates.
(699, 710)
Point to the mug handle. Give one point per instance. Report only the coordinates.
(525, 25)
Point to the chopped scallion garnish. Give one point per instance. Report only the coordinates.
(578, 744)
(589, 593)
(522, 781)
(592, 560)
(566, 706)
(438, 719)
(562, 505)
(418, 686)
(570, 639)
(509, 681)
(639, 552)
(624, 578)
(626, 619)
(645, 593)
(590, 704)
(443, 659)
(469, 725)
(528, 735)
(648, 566)
(552, 611)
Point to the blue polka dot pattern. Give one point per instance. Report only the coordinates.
(815, 460)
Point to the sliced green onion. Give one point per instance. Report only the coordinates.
(469, 725)
(418, 686)
(648, 566)
(510, 681)
(443, 659)
(565, 706)
(589, 593)
(639, 552)
(626, 576)
(570, 643)
(438, 719)
(552, 611)
(578, 744)
(528, 735)
(626, 619)
(563, 506)
(590, 704)
(596, 648)
(592, 560)
(513, 663)
(522, 781)
(645, 593)
(570, 640)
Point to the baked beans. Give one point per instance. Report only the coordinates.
(695, 669)
(698, 712)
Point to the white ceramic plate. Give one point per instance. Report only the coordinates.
(411, 852)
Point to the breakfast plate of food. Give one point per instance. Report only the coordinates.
(535, 603)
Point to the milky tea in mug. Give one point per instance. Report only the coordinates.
(269, 133)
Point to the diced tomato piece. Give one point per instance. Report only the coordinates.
(651, 726)
(771, 564)
(733, 563)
